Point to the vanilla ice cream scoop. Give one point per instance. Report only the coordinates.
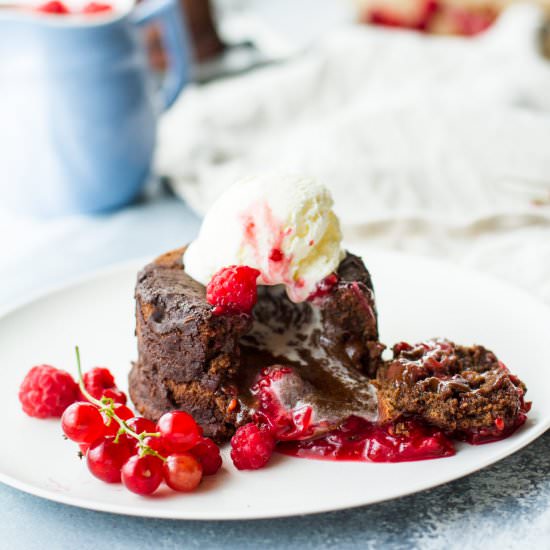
(283, 225)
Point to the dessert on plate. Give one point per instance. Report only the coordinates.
(265, 318)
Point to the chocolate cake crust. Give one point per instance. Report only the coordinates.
(187, 355)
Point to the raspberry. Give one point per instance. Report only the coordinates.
(208, 454)
(47, 391)
(251, 447)
(100, 382)
(275, 390)
(233, 289)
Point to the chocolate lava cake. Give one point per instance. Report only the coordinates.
(306, 367)
(205, 364)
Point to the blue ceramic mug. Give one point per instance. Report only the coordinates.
(78, 106)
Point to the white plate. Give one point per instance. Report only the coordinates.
(417, 298)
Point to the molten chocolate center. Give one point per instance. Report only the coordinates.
(327, 375)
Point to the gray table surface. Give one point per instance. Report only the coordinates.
(503, 506)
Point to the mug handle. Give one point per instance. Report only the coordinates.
(174, 36)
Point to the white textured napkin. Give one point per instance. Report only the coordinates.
(396, 123)
(431, 144)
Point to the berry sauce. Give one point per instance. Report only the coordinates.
(362, 441)
(278, 266)
(325, 287)
(496, 433)
(411, 440)
(276, 255)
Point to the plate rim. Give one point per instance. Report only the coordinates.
(188, 515)
(135, 264)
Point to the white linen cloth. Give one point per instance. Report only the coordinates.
(437, 145)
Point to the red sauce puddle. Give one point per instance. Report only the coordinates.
(361, 441)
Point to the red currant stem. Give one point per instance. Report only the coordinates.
(149, 434)
(81, 385)
(146, 450)
(107, 406)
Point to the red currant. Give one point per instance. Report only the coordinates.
(100, 382)
(132, 442)
(116, 395)
(123, 412)
(208, 454)
(179, 430)
(82, 422)
(105, 458)
(158, 444)
(142, 474)
(182, 472)
(84, 448)
(139, 425)
(111, 425)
